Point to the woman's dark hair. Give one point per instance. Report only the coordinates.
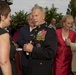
(4, 9)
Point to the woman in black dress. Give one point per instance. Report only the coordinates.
(7, 48)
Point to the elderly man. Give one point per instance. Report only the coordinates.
(42, 46)
(24, 36)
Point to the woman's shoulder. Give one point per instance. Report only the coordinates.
(72, 32)
(2, 31)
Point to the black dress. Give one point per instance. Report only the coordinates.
(12, 53)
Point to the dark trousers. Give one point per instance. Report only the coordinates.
(25, 70)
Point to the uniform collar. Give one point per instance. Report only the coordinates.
(44, 24)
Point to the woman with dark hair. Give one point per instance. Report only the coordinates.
(7, 48)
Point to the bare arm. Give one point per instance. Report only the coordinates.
(72, 45)
(4, 54)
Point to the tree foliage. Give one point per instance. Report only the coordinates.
(19, 18)
(52, 13)
(71, 8)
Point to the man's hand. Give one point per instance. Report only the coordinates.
(28, 47)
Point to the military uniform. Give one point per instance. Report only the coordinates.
(44, 41)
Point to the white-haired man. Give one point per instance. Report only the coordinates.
(42, 46)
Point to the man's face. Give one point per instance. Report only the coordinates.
(38, 17)
(30, 21)
(53, 22)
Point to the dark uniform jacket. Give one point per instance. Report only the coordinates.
(44, 41)
(23, 38)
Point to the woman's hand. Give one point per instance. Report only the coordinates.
(68, 42)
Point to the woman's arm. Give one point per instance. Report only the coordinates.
(73, 46)
(5, 54)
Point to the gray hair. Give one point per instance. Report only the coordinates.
(38, 7)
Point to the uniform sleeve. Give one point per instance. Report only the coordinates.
(47, 51)
(21, 41)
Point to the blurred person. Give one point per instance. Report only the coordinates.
(71, 44)
(73, 48)
(42, 46)
(62, 63)
(18, 53)
(74, 25)
(59, 25)
(53, 23)
(23, 38)
(7, 48)
(73, 52)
